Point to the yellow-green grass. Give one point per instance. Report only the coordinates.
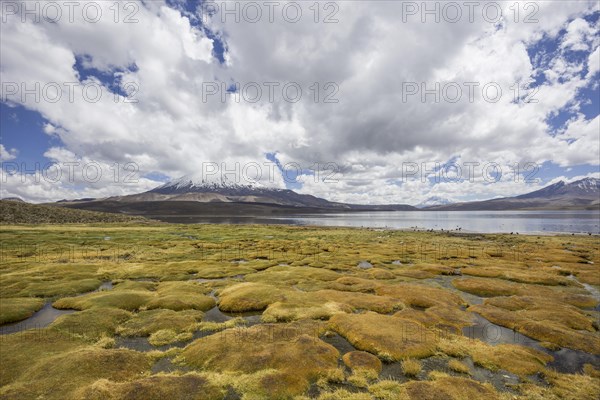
(291, 275)
(354, 284)
(249, 296)
(298, 360)
(20, 351)
(130, 300)
(544, 276)
(62, 375)
(447, 387)
(18, 308)
(42, 279)
(322, 304)
(391, 338)
(489, 287)
(302, 306)
(562, 387)
(546, 321)
(411, 367)
(524, 277)
(515, 358)
(362, 360)
(192, 386)
(166, 336)
(182, 302)
(92, 323)
(145, 323)
(458, 366)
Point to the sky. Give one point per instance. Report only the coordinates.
(372, 102)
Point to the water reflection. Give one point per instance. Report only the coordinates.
(584, 221)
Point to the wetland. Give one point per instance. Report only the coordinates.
(154, 311)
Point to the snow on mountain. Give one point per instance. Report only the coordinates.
(588, 185)
(209, 181)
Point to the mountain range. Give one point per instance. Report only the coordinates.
(188, 197)
(580, 195)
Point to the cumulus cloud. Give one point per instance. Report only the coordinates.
(7, 155)
(358, 111)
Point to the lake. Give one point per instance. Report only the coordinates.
(527, 222)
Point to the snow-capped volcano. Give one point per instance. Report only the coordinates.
(216, 188)
(209, 183)
(213, 188)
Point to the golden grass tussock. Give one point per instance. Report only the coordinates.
(191, 386)
(514, 358)
(127, 284)
(50, 281)
(546, 276)
(222, 270)
(73, 369)
(291, 275)
(145, 323)
(362, 360)
(486, 287)
(391, 338)
(92, 323)
(361, 301)
(411, 367)
(298, 358)
(550, 322)
(562, 387)
(458, 366)
(167, 336)
(249, 296)
(451, 388)
(21, 350)
(489, 287)
(300, 306)
(420, 296)
(354, 284)
(179, 296)
(18, 308)
(130, 300)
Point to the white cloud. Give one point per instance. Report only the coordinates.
(369, 54)
(7, 155)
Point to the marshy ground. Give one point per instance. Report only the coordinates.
(255, 312)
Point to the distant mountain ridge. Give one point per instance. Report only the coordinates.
(186, 197)
(433, 201)
(581, 194)
(190, 195)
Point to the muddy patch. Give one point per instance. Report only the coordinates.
(216, 315)
(166, 365)
(339, 342)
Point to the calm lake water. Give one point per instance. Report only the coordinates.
(469, 221)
